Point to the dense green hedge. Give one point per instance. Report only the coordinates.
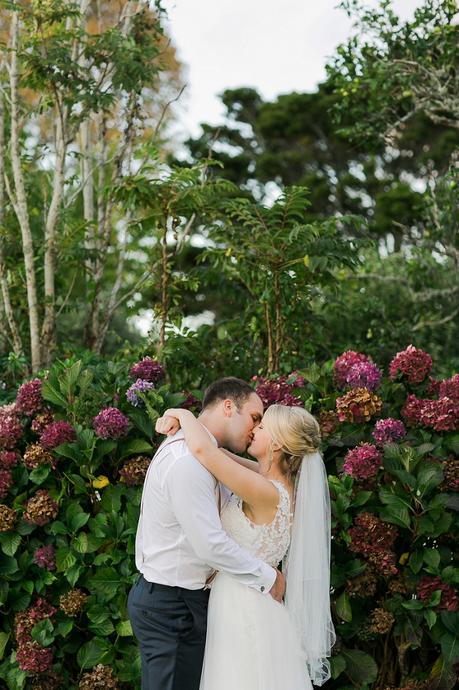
(73, 454)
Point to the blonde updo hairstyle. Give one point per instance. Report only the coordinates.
(296, 431)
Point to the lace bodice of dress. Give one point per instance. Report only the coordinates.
(269, 542)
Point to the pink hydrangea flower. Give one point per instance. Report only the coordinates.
(8, 459)
(278, 391)
(191, 401)
(388, 431)
(6, 480)
(440, 415)
(34, 658)
(10, 427)
(364, 375)
(412, 363)
(147, 369)
(29, 399)
(57, 433)
(111, 423)
(45, 557)
(449, 388)
(412, 410)
(428, 585)
(362, 462)
(343, 364)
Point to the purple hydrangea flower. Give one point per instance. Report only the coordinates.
(57, 433)
(45, 557)
(388, 431)
(10, 427)
(362, 462)
(343, 364)
(147, 369)
(6, 479)
(364, 375)
(111, 423)
(140, 386)
(29, 399)
(8, 459)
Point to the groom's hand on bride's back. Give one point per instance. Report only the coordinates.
(277, 591)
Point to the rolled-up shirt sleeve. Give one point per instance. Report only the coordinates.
(191, 493)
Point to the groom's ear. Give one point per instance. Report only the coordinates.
(228, 407)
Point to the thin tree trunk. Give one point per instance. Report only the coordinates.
(164, 312)
(270, 339)
(49, 322)
(9, 313)
(21, 201)
(279, 324)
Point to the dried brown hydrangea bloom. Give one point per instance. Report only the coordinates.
(364, 585)
(358, 405)
(47, 681)
(41, 508)
(100, 678)
(381, 621)
(450, 474)
(134, 470)
(72, 602)
(36, 455)
(328, 422)
(8, 518)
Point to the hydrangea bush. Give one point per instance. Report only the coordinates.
(75, 445)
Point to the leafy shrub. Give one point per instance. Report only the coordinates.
(75, 448)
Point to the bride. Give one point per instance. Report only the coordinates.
(280, 511)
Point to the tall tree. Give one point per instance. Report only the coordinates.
(83, 87)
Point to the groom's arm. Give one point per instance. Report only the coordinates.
(191, 492)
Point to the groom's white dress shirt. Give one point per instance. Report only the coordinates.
(180, 539)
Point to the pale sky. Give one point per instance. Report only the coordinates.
(276, 46)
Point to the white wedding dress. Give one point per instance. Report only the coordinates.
(251, 641)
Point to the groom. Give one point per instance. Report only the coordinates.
(180, 542)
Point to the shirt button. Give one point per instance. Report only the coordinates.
(262, 588)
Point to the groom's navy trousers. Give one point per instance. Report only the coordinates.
(170, 624)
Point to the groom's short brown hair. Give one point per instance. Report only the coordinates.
(228, 388)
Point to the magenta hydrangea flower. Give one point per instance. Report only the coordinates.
(441, 415)
(29, 399)
(428, 585)
(111, 423)
(10, 427)
(34, 658)
(449, 388)
(57, 433)
(8, 459)
(191, 402)
(147, 369)
(364, 375)
(278, 391)
(388, 431)
(6, 480)
(412, 364)
(140, 386)
(412, 410)
(362, 462)
(45, 557)
(343, 364)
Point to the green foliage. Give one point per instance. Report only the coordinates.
(93, 535)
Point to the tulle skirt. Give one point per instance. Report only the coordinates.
(251, 643)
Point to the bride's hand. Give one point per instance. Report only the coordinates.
(167, 425)
(170, 422)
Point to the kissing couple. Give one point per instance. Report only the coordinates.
(208, 608)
